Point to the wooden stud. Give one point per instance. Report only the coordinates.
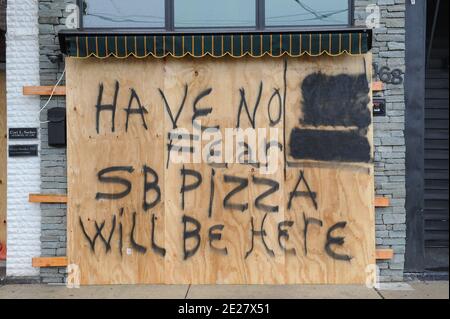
(44, 262)
(44, 90)
(61, 90)
(381, 202)
(384, 254)
(377, 86)
(47, 198)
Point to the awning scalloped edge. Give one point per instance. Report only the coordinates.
(215, 45)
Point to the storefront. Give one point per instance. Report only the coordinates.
(141, 77)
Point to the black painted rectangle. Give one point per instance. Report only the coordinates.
(22, 133)
(340, 100)
(330, 146)
(23, 150)
(379, 107)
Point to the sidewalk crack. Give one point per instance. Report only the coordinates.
(187, 292)
(379, 293)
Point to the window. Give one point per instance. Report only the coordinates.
(123, 14)
(215, 13)
(189, 14)
(306, 12)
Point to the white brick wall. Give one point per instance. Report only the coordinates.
(22, 68)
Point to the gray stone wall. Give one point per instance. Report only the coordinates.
(53, 160)
(388, 51)
(389, 141)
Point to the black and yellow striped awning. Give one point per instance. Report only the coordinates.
(295, 44)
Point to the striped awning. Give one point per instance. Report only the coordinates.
(140, 45)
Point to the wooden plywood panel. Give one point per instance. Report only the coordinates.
(114, 151)
(3, 147)
(310, 219)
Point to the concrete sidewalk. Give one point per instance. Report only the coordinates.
(410, 290)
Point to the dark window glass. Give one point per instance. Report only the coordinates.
(215, 13)
(123, 14)
(307, 12)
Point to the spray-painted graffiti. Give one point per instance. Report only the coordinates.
(104, 234)
(190, 172)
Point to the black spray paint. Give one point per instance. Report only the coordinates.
(114, 180)
(260, 233)
(244, 104)
(309, 221)
(330, 146)
(140, 110)
(242, 184)
(151, 186)
(296, 193)
(157, 249)
(139, 248)
(340, 100)
(188, 234)
(215, 234)
(106, 107)
(189, 187)
(274, 186)
(283, 233)
(331, 240)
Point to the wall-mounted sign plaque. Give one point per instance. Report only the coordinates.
(379, 107)
(22, 133)
(23, 150)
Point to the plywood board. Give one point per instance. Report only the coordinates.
(3, 147)
(146, 207)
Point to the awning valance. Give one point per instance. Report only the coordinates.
(83, 44)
